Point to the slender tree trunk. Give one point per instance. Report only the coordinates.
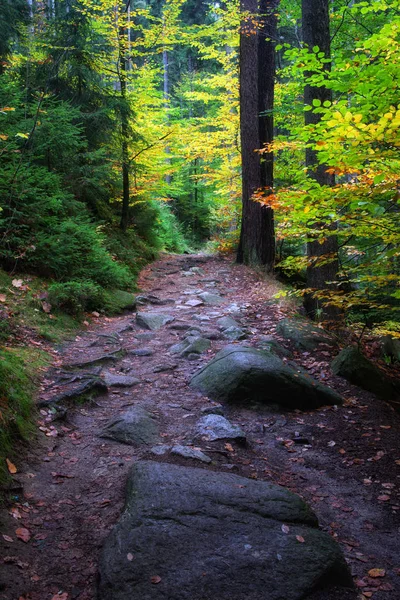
(257, 72)
(316, 32)
(124, 132)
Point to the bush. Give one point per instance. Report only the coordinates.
(75, 297)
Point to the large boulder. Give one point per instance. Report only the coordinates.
(356, 368)
(240, 374)
(193, 534)
(135, 427)
(303, 333)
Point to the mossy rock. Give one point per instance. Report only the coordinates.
(351, 364)
(304, 334)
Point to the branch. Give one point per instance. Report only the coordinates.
(149, 146)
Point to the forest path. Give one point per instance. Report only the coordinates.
(74, 481)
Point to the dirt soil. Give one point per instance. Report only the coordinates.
(69, 492)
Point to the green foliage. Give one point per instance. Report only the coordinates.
(18, 378)
(75, 297)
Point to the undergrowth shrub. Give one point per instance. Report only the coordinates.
(75, 297)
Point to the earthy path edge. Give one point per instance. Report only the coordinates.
(346, 467)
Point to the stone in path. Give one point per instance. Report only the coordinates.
(192, 453)
(135, 427)
(226, 322)
(303, 333)
(214, 427)
(212, 299)
(356, 368)
(191, 345)
(117, 380)
(84, 386)
(153, 320)
(241, 374)
(193, 534)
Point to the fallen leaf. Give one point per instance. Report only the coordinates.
(129, 556)
(384, 498)
(155, 579)
(11, 467)
(15, 513)
(388, 486)
(23, 534)
(3, 297)
(331, 444)
(300, 539)
(46, 307)
(63, 596)
(17, 283)
(229, 447)
(8, 538)
(95, 314)
(377, 572)
(285, 529)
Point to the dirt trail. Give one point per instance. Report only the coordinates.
(346, 466)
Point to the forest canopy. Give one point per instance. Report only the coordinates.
(120, 133)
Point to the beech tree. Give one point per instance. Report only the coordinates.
(257, 72)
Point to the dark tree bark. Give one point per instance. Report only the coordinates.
(316, 32)
(257, 73)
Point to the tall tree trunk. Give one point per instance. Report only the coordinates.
(257, 72)
(316, 32)
(124, 131)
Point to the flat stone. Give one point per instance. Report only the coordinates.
(180, 326)
(192, 453)
(141, 352)
(242, 374)
(197, 270)
(213, 409)
(151, 299)
(146, 336)
(115, 380)
(95, 360)
(215, 536)
(211, 299)
(215, 427)
(304, 334)
(135, 427)
(165, 367)
(356, 368)
(86, 386)
(193, 303)
(153, 321)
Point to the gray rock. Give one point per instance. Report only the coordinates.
(240, 374)
(136, 427)
(191, 345)
(214, 536)
(269, 344)
(151, 299)
(153, 320)
(356, 368)
(141, 352)
(180, 326)
(116, 380)
(145, 336)
(234, 333)
(160, 450)
(193, 356)
(215, 427)
(213, 409)
(212, 299)
(187, 452)
(226, 322)
(197, 270)
(165, 367)
(193, 303)
(303, 333)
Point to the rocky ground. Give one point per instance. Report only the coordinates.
(120, 396)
